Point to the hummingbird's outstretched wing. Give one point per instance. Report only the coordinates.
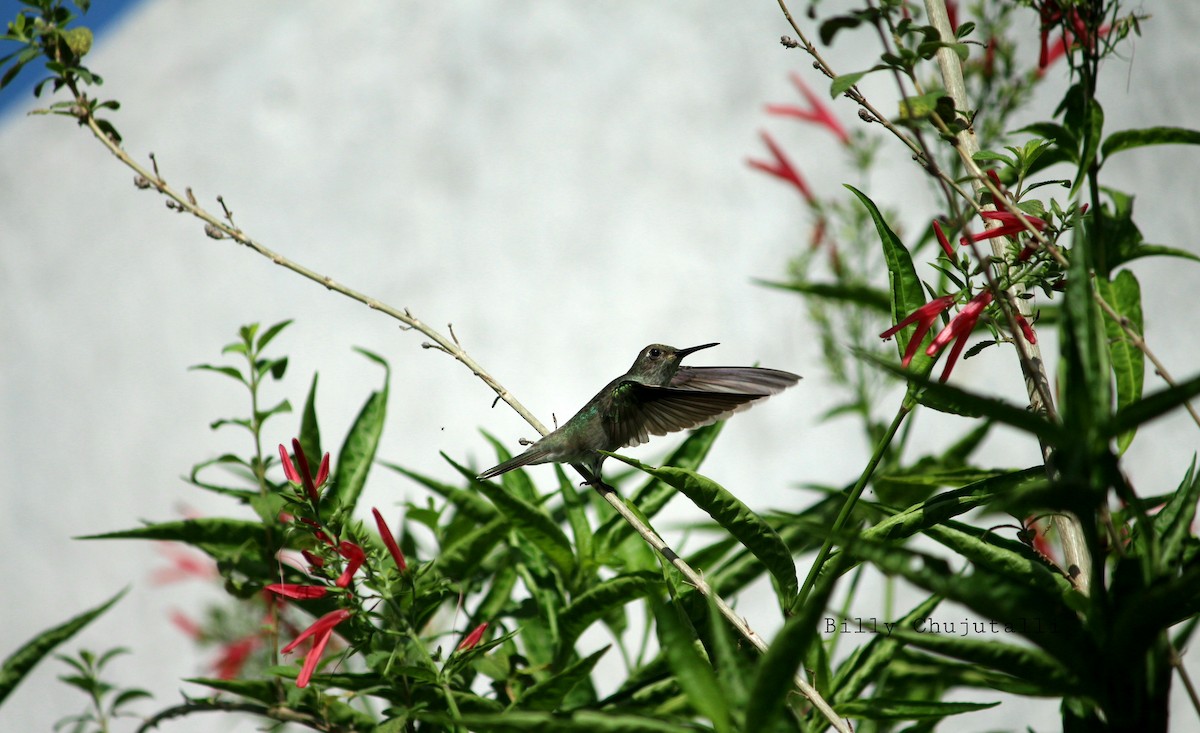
(662, 410)
(739, 380)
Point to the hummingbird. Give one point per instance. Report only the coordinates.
(655, 397)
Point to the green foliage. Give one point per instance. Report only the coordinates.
(479, 610)
(24, 659)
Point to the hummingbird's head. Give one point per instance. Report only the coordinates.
(657, 363)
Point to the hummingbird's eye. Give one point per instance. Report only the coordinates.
(654, 353)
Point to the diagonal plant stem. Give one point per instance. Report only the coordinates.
(224, 227)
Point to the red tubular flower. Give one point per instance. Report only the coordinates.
(299, 592)
(471, 640)
(314, 561)
(817, 111)
(306, 477)
(1009, 226)
(233, 657)
(924, 317)
(355, 558)
(782, 168)
(958, 330)
(1026, 329)
(321, 630)
(323, 471)
(941, 237)
(389, 541)
(289, 470)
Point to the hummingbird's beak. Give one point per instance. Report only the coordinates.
(684, 352)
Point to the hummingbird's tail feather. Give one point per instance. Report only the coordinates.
(537, 453)
(736, 380)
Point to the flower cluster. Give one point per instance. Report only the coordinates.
(330, 548)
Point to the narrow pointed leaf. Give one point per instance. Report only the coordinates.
(885, 709)
(652, 496)
(310, 431)
(692, 671)
(1031, 665)
(548, 694)
(1174, 522)
(271, 333)
(868, 663)
(1151, 406)
(358, 450)
(907, 293)
(1129, 139)
(776, 673)
(529, 519)
(737, 518)
(25, 658)
(599, 600)
(862, 295)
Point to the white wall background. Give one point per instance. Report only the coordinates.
(564, 182)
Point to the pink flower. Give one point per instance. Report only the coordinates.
(185, 565)
(355, 558)
(924, 317)
(233, 657)
(782, 168)
(299, 592)
(186, 624)
(817, 110)
(389, 541)
(320, 630)
(471, 640)
(958, 330)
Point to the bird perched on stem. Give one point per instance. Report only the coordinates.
(655, 397)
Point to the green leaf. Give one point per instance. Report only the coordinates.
(467, 502)
(1031, 665)
(203, 532)
(857, 294)
(1151, 406)
(737, 518)
(25, 658)
(228, 371)
(776, 673)
(601, 599)
(1129, 139)
(271, 333)
(1174, 522)
(530, 520)
(1128, 362)
(310, 430)
(906, 291)
(548, 693)
(692, 671)
(577, 721)
(838, 23)
(358, 450)
(945, 506)
(654, 494)
(461, 557)
(575, 505)
(842, 82)
(869, 662)
(876, 708)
